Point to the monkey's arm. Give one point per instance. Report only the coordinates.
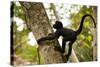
(70, 48)
(50, 36)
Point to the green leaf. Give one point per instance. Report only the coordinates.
(86, 45)
(86, 24)
(89, 38)
(82, 36)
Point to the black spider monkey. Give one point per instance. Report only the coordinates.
(67, 34)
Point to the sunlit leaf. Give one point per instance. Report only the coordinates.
(89, 38)
(82, 36)
(86, 24)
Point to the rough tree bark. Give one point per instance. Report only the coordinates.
(38, 22)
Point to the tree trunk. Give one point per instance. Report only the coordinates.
(38, 22)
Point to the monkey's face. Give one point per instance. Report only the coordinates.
(58, 25)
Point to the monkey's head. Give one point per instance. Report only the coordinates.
(58, 25)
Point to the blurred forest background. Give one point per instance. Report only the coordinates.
(25, 45)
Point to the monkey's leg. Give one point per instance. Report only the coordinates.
(70, 49)
(63, 45)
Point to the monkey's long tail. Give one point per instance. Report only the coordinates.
(81, 25)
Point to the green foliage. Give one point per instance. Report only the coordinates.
(84, 52)
(28, 52)
(18, 12)
(20, 39)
